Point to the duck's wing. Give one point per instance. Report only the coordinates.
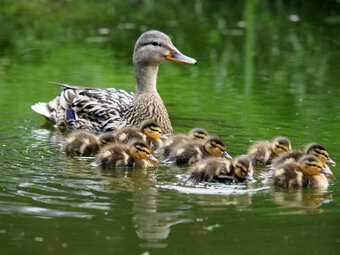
(89, 108)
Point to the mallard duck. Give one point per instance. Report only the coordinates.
(148, 131)
(81, 143)
(195, 134)
(110, 109)
(136, 155)
(222, 170)
(191, 152)
(307, 172)
(263, 152)
(312, 149)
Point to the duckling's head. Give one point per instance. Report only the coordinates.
(281, 145)
(313, 166)
(141, 150)
(199, 134)
(106, 139)
(216, 147)
(152, 130)
(320, 152)
(153, 47)
(243, 168)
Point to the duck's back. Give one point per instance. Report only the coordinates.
(87, 108)
(259, 152)
(187, 153)
(292, 156)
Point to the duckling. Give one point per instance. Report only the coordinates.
(307, 172)
(195, 134)
(81, 143)
(107, 138)
(148, 131)
(222, 170)
(136, 155)
(311, 149)
(263, 152)
(191, 152)
(104, 110)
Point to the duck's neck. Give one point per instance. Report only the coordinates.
(146, 77)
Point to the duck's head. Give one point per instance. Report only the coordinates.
(216, 147)
(198, 134)
(141, 150)
(243, 168)
(152, 130)
(106, 139)
(281, 145)
(320, 152)
(313, 166)
(153, 47)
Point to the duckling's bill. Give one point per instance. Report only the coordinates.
(176, 56)
(326, 171)
(153, 158)
(226, 155)
(330, 161)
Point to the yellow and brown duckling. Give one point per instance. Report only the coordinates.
(85, 143)
(195, 134)
(307, 172)
(149, 131)
(263, 152)
(191, 152)
(81, 143)
(315, 149)
(135, 155)
(215, 169)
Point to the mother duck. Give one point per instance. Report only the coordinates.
(104, 110)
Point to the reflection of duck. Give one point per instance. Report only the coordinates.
(136, 155)
(148, 132)
(222, 170)
(81, 143)
(309, 198)
(110, 109)
(312, 149)
(308, 172)
(191, 152)
(263, 152)
(195, 134)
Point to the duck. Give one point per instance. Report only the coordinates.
(315, 149)
(263, 152)
(81, 143)
(149, 132)
(103, 110)
(191, 152)
(195, 134)
(135, 155)
(307, 172)
(222, 170)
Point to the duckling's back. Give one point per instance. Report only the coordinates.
(186, 153)
(113, 156)
(292, 157)
(260, 152)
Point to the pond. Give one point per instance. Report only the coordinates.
(264, 70)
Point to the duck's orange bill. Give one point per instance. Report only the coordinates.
(327, 172)
(177, 56)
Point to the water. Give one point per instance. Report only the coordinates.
(281, 80)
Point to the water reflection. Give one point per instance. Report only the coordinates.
(301, 200)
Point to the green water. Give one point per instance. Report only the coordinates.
(272, 77)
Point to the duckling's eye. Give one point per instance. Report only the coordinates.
(156, 44)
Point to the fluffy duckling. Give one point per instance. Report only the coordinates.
(222, 170)
(107, 138)
(148, 131)
(195, 134)
(307, 172)
(312, 149)
(136, 155)
(263, 152)
(191, 152)
(81, 143)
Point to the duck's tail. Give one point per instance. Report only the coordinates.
(49, 110)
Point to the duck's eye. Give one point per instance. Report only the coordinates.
(156, 44)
